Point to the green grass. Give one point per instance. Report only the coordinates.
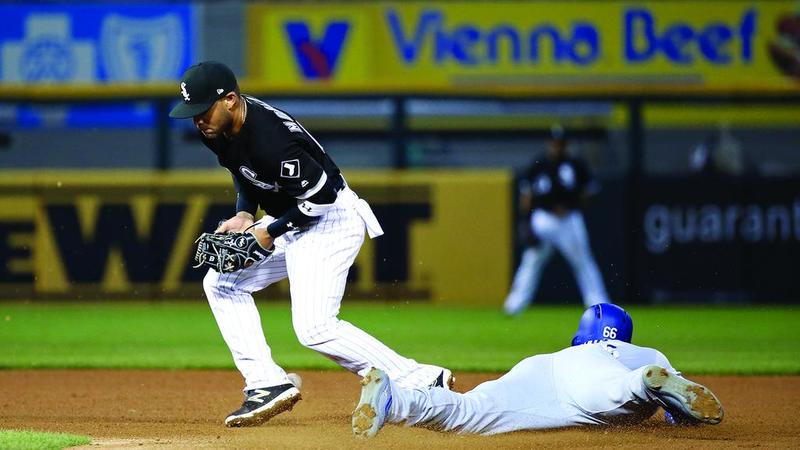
(757, 340)
(33, 440)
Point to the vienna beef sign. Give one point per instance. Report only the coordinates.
(710, 44)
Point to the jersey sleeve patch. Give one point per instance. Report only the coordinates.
(290, 168)
(293, 127)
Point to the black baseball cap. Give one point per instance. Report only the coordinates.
(202, 85)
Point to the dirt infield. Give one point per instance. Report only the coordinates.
(184, 409)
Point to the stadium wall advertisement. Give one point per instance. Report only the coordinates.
(126, 235)
(719, 238)
(96, 43)
(451, 44)
(76, 235)
(75, 43)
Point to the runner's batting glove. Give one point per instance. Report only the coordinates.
(229, 252)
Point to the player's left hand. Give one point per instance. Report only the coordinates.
(229, 252)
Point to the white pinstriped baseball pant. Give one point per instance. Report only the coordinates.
(568, 234)
(316, 262)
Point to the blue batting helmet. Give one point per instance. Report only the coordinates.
(602, 322)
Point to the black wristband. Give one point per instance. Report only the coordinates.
(290, 221)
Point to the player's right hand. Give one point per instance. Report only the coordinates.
(236, 224)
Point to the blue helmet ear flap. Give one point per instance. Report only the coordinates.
(604, 321)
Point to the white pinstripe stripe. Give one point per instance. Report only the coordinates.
(389, 361)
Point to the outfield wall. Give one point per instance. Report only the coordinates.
(130, 234)
(438, 47)
(127, 234)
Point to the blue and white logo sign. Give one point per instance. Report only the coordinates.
(47, 52)
(142, 49)
(74, 43)
(94, 43)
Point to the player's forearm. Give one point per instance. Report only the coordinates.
(293, 219)
(309, 207)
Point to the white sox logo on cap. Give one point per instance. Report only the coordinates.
(184, 92)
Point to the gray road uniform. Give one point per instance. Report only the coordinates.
(543, 391)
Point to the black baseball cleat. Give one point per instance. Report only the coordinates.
(261, 405)
(686, 401)
(444, 380)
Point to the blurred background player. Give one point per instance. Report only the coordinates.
(552, 191)
(602, 379)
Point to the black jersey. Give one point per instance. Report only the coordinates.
(557, 183)
(274, 161)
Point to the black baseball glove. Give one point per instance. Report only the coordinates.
(229, 252)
